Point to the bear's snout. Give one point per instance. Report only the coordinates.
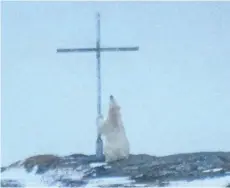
(111, 97)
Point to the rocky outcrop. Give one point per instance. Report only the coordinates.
(43, 162)
(140, 168)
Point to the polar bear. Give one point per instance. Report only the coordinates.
(116, 144)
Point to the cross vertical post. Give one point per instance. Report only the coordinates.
(98, 49)
(99, 142)
(98, 67)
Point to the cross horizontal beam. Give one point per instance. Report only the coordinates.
(111, 49)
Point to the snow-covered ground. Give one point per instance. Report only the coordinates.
(46, 180)
(210, 182)
(26, 179)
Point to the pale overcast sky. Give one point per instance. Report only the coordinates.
(174, 92)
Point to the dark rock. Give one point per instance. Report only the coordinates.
(66, 182)
(43, 163)
(10, 183)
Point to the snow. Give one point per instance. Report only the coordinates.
(108, 181)
(209, 182)
(47, 179)
(213, 170)
(50, 176)
(93, 165)
(36, 180)
(19, 174)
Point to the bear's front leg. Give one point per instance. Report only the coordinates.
(110, 153)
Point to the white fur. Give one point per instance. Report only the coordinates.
(116, 145)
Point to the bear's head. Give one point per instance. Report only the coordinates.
(114, 115)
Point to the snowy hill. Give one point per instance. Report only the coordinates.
(77, 170)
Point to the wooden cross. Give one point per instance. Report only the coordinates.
(98, 49)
